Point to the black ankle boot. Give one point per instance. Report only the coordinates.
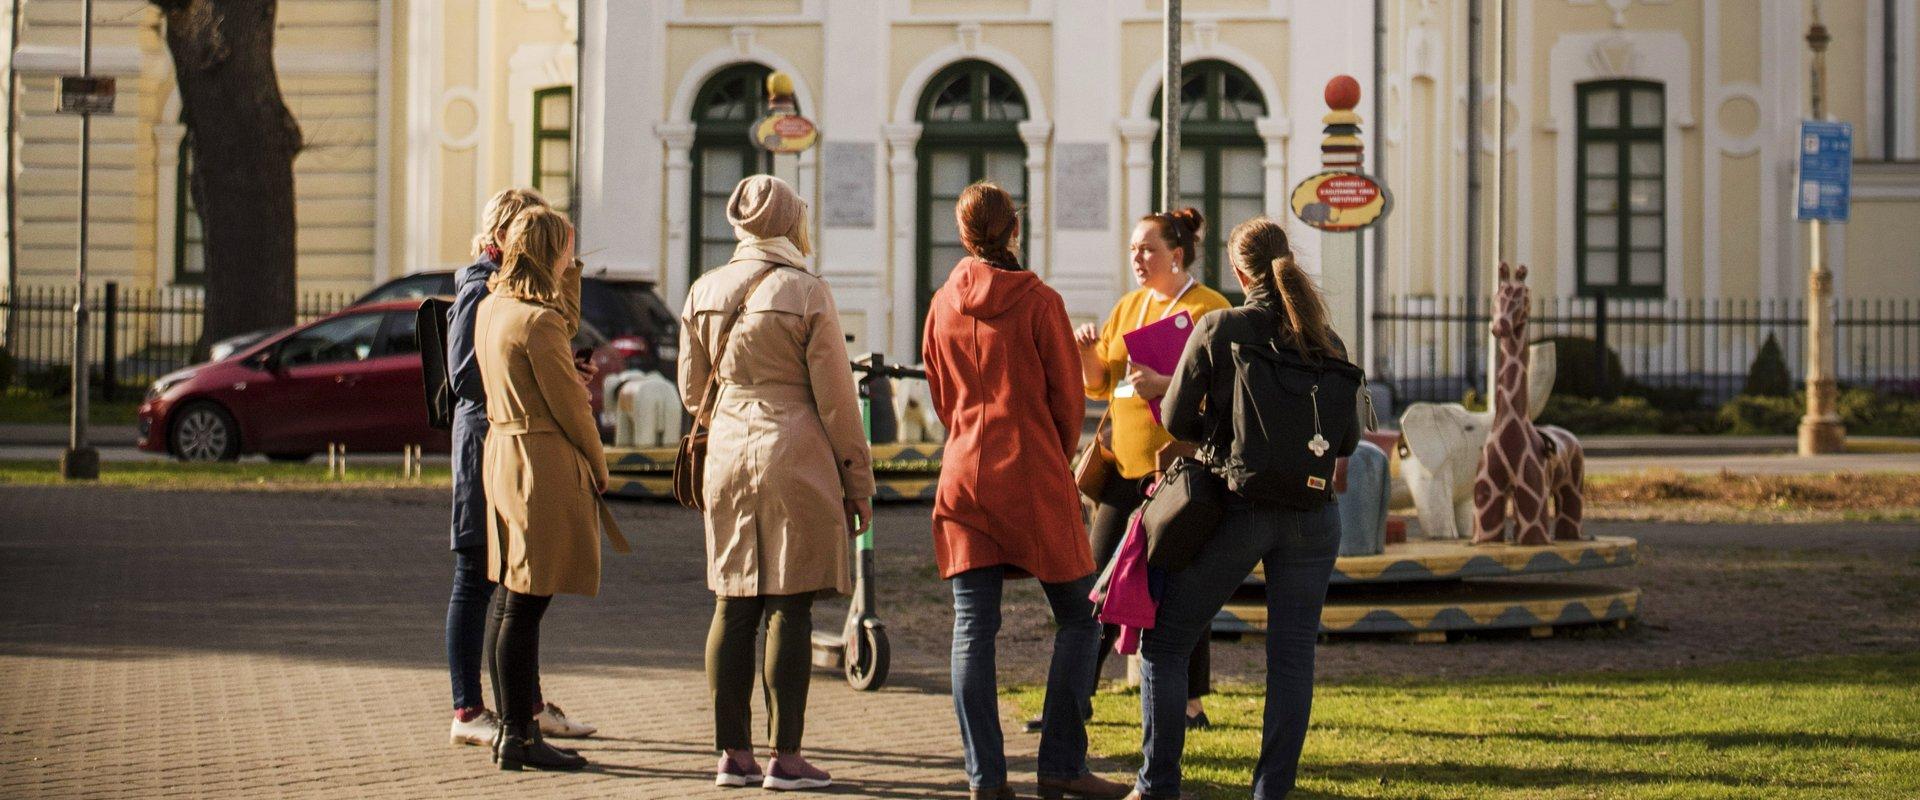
(521, 746)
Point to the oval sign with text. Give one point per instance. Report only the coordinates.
(1339, 201)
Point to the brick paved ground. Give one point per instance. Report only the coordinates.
(179, 644)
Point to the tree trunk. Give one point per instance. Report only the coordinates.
(243, 144)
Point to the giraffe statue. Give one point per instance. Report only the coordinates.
(1523, 464)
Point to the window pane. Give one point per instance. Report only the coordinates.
(556, 155)
(344, 339)
(557, 189)
(1602, 267)
(1241, 171)
(720, 170)
(1644, 195)
(954, 102)
(1647, 111)
(1009, 169)
(1603, 159)
(1645, 159)
(399, 337)
(1602, 231)
(1240, 100)
(713, 217)
(1603, 109)
(556, 111)
(951, 173)
(715, 254)
(1603, 195)
(1234, 211)
(1193, 175)
(1647, 231)
(940, 262)
(1004, 101)
(1645, 268)
(942, 228)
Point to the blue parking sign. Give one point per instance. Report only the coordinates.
(1826, 171)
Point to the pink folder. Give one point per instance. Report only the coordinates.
(1158, 346)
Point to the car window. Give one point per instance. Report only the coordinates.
(608, 309)
(398, 338)
(336, 340)
(410, 287)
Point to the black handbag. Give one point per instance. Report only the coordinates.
(1182, 514)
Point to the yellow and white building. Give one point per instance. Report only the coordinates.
(1650, 144)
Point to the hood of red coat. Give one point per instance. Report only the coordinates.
(984, 292)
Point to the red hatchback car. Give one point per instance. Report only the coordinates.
(352, 378)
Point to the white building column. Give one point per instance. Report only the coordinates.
(620, 97)
(1274, 132)
(678, 137)
(1137, 135)
(904, 171)
(1037, 136)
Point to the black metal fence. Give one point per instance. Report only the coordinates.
(1702, 347)
(135, 335)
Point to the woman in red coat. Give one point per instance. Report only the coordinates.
(1005, 379)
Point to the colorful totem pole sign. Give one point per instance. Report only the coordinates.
(783, 130)
(1341, 198)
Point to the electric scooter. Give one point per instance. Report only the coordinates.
(861, 651)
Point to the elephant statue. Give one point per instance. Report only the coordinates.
(1363, 502)
(1440, 446)
(646, 411)
(913, 405)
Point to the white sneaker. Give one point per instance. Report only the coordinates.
(477, 731)
(554, 722)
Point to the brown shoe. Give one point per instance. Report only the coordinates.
(1001, 792)
(1093, 787)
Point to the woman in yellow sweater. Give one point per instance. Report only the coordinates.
(1163, 250)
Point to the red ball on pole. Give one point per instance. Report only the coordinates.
(1343, 93)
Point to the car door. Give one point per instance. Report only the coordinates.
(306, 401)
(390, 394)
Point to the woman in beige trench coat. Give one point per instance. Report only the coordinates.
(543, 467)
(787, 480)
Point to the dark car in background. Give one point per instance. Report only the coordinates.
(627, 311)
(352, 378)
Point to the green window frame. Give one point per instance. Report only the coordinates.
(189, 236)
(724, 111)
(553, 145)
(1222, 159)
(1620, 198)
(970, 115)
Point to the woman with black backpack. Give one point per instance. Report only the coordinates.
(1266, 392)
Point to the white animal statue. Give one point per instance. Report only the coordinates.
(913, 406)
(1440, 446)
(646, 410)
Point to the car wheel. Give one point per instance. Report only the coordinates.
(290, 458)
(204, 431)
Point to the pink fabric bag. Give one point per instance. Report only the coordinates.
(1123, 595)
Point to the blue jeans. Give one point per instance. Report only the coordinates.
(1298, 549)
(467, 624)
(976, 701)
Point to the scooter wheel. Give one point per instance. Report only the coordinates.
(867, 658)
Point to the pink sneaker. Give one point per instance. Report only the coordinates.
(737, 771)
(792, 772)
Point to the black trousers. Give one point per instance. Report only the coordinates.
(1118, 499)
(516, 654)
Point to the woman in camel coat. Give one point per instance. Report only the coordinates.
(787, 477)
(543, 466)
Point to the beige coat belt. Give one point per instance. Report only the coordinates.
(768, 392)
(522, 426)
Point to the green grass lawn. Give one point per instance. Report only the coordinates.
(241, 475)
(1837, 727)
(25, 407)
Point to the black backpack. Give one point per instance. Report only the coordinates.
(1292, 417)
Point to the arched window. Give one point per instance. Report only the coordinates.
(723, 152)
(1620, 202)
(970, 115)
(1221, 155)
(189, 240)
(553, 145)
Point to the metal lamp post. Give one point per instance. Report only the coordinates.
(81, 461)
(1820, 429)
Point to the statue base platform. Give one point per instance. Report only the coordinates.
(1426, 612)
